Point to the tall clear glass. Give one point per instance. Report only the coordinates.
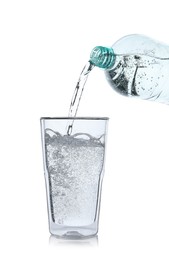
(74, 167)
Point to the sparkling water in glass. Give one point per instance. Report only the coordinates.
(74, 167)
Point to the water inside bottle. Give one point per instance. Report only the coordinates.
(140, 75)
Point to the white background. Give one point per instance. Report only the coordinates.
(43, 47)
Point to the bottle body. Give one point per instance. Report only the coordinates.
(140, 68)
(143, 69)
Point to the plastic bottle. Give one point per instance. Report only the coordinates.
(136, 66)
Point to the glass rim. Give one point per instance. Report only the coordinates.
(74, 118)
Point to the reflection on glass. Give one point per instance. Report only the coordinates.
(89, 242)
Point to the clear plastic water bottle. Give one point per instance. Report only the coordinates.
(136, 66)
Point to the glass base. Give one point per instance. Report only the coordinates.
(67, 232)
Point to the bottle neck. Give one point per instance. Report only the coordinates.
(102, 57)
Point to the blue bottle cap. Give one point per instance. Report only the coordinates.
(102, 57)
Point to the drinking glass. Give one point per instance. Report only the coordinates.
(74, 168)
